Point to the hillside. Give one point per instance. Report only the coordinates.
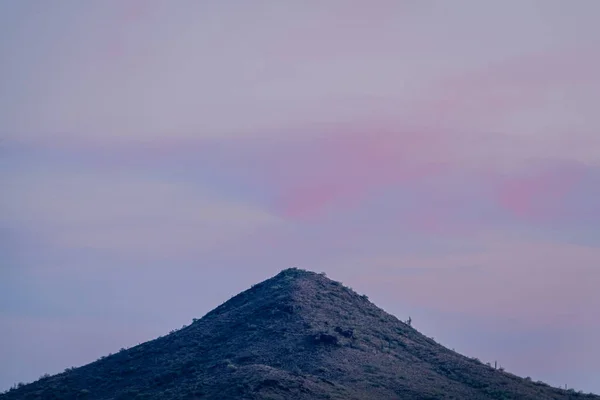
(298, 335)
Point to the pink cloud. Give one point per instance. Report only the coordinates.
(308, 175)
(339, 169)
(450, 129)
(494, 91)
(541, 195)
(130, 12)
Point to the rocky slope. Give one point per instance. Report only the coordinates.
(298, 335)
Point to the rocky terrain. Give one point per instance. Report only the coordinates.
(298, 335)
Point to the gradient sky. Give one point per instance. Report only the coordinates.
(158, 157)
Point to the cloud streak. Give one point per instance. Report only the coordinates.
(114, 211)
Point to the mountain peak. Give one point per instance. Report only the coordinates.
(299, 293)
(298, 335)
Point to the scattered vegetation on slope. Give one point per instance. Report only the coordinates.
(298, 335)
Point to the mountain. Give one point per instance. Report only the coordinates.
(298, 335)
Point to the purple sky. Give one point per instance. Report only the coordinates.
(158, 157)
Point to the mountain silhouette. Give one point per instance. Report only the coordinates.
(298, 335)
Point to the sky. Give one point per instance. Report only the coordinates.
(158, 157)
